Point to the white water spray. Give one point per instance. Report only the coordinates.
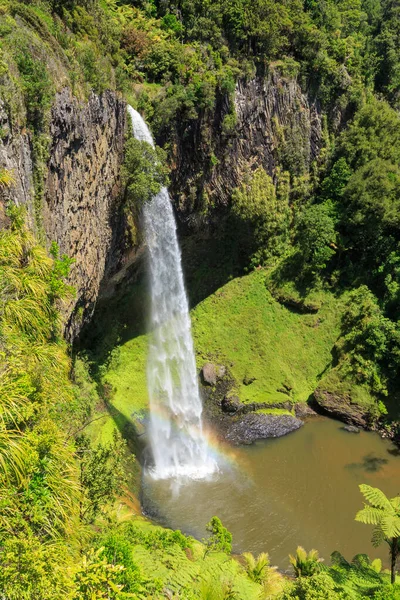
(179, 446)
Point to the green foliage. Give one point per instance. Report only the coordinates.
(388, 592)
(305, 564)
(359, 578)
(317, 587)
(117, 549)
(144, 172)
(31, 570)
(41, 408)
(220, 539)
(373, 133)
(384, 514)
(101, 475)
(6, 178)
(372, 207)
(96, 578)
(257, 568)
(387, 44)
(158, 539)
(220, 589)
(334, 184)
(37, 87)
(368, 349)
(264, 209)
(316, 237)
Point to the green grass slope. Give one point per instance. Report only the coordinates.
(245, 328)
(241, 326)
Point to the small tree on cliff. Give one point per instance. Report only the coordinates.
(384, 514)
(220, 539)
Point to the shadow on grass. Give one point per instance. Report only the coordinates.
(208, 261)
(134, 438)
(115, 321)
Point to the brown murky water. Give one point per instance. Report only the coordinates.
(277, 494)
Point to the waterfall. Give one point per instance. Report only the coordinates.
(178, 444)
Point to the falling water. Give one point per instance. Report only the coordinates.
(178, 444)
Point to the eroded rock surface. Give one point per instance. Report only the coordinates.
(252, 427)
(271, 112)
(341, 407)
(81, 208)
(82, 211)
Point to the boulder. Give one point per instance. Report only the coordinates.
(351, 428)
(231, 404)
(209, 374)
(253, 426)
(341, 407)
(303, 410)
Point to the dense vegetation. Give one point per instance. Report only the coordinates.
(320, 232)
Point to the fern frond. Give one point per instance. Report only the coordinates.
(377, 537)
(375, 497)
(369, 515)
(390, 525)
(395, 502)
(250, 561)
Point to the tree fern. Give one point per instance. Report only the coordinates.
(384, 514)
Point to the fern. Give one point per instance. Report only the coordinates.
(375, 497)
(305, 564)
(6, 178)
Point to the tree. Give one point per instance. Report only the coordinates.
(144, 172)
(101, 475)
(305, 563)
(384, 514)
(372, 203)
(316, 237)
(259, 570)
(256, 568)
(374, 133)
(265, 211)
(220, 539)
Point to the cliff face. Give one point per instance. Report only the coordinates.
(81, 209)
(16, 157)
(276, 125)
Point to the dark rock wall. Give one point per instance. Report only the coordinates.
(16, 157)
(81, 209)
(271, 113)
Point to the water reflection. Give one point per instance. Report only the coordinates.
(370, 463)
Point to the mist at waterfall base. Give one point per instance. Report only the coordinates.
(178, 444)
